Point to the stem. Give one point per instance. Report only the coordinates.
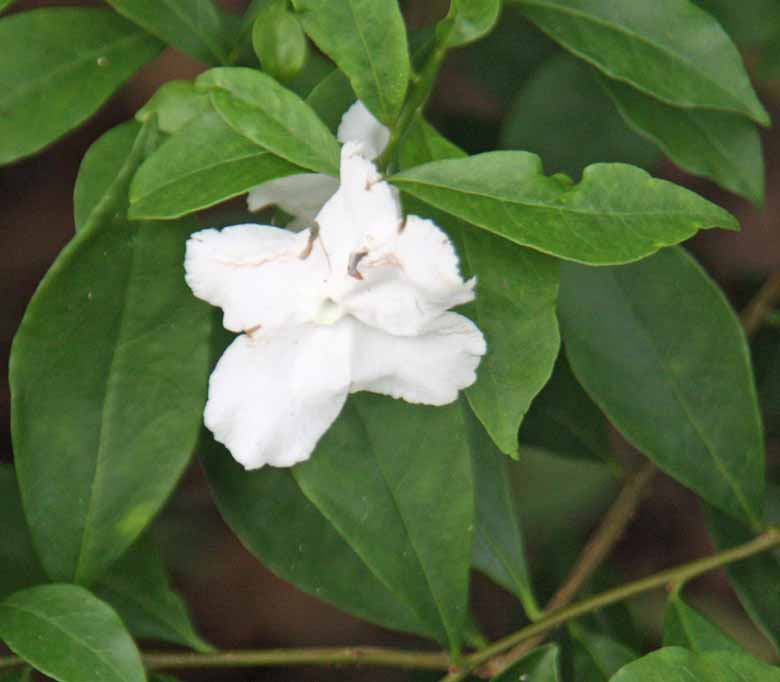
(761, 306)
(422, 85)
(369, 656)
(595, 552)
(432, 660)
(765, 541)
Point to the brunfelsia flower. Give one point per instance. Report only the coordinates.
(360, 303)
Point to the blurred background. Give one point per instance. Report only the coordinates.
(516, 90)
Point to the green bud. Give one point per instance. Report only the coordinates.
(279, 41)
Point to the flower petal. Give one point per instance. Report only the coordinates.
(359, 125)
(408, 282)
(257, 274)
(430, 368)
(302, 195)
(364, 213)
(272, 396)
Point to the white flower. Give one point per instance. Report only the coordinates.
(303, 195)
(359, 304)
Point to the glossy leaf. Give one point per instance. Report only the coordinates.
(111, 347)
(367, 40)
(564, 420)
(204, 164)
(563, 114)
(540, 665)
(255, 105)
(104, 172)
(175, 104)
(616, 214)
(721, 146)
(47, 57)
(19, 565)
(517, 292)
(137, 587)
(311, 553)
(684, 626)
(669, 49)
(754, 579)
(194, 26)
(473, 19)
(426, 531)
(674, 664)
(331, 97)
(70, 635)
(596, 657)
(499, 548)
(652, 325)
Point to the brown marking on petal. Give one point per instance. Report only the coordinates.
(354, 261)
(313, 234)
(252, 330)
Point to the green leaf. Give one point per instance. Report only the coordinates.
(426, 531)
(255, 105)
(686, 627)
(754, 579)
(652, 325)
(562, 114)
(5, 4)
(19, 566)
(104, 172)
(540, 665)
(754, 26)
(23, 674)
(721, 146)
(47, 58)
(194, 26)
(616, 214)
(69, 634)
(515, 306)
(279, 41)
(310, 553)
(674, 664)
(367, 40)
(203, 164)
(331, 98)
(473, 19)
(108, 376)
(137, 587)
(564, 420)
(595, 657)
(499, 548)
(175, 104)
(669, 49)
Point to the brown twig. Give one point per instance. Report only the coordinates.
(761, 305)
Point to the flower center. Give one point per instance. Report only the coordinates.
(329, 313)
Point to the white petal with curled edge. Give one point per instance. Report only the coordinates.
(359, 125)
(272, 396)
(302, 195)
(430, 368)
(364, 214)
(408, 283)
(257, 275)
